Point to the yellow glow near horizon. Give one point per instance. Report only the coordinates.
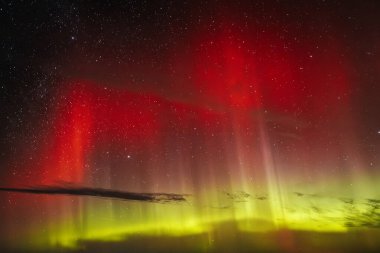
(104, 220)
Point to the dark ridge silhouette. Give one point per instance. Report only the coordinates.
(99, 192)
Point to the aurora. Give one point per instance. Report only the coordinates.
(247, 126)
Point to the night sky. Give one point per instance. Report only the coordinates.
(197, 126)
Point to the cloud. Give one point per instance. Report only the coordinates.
(99, 192)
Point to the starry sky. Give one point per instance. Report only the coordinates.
(260, 115)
